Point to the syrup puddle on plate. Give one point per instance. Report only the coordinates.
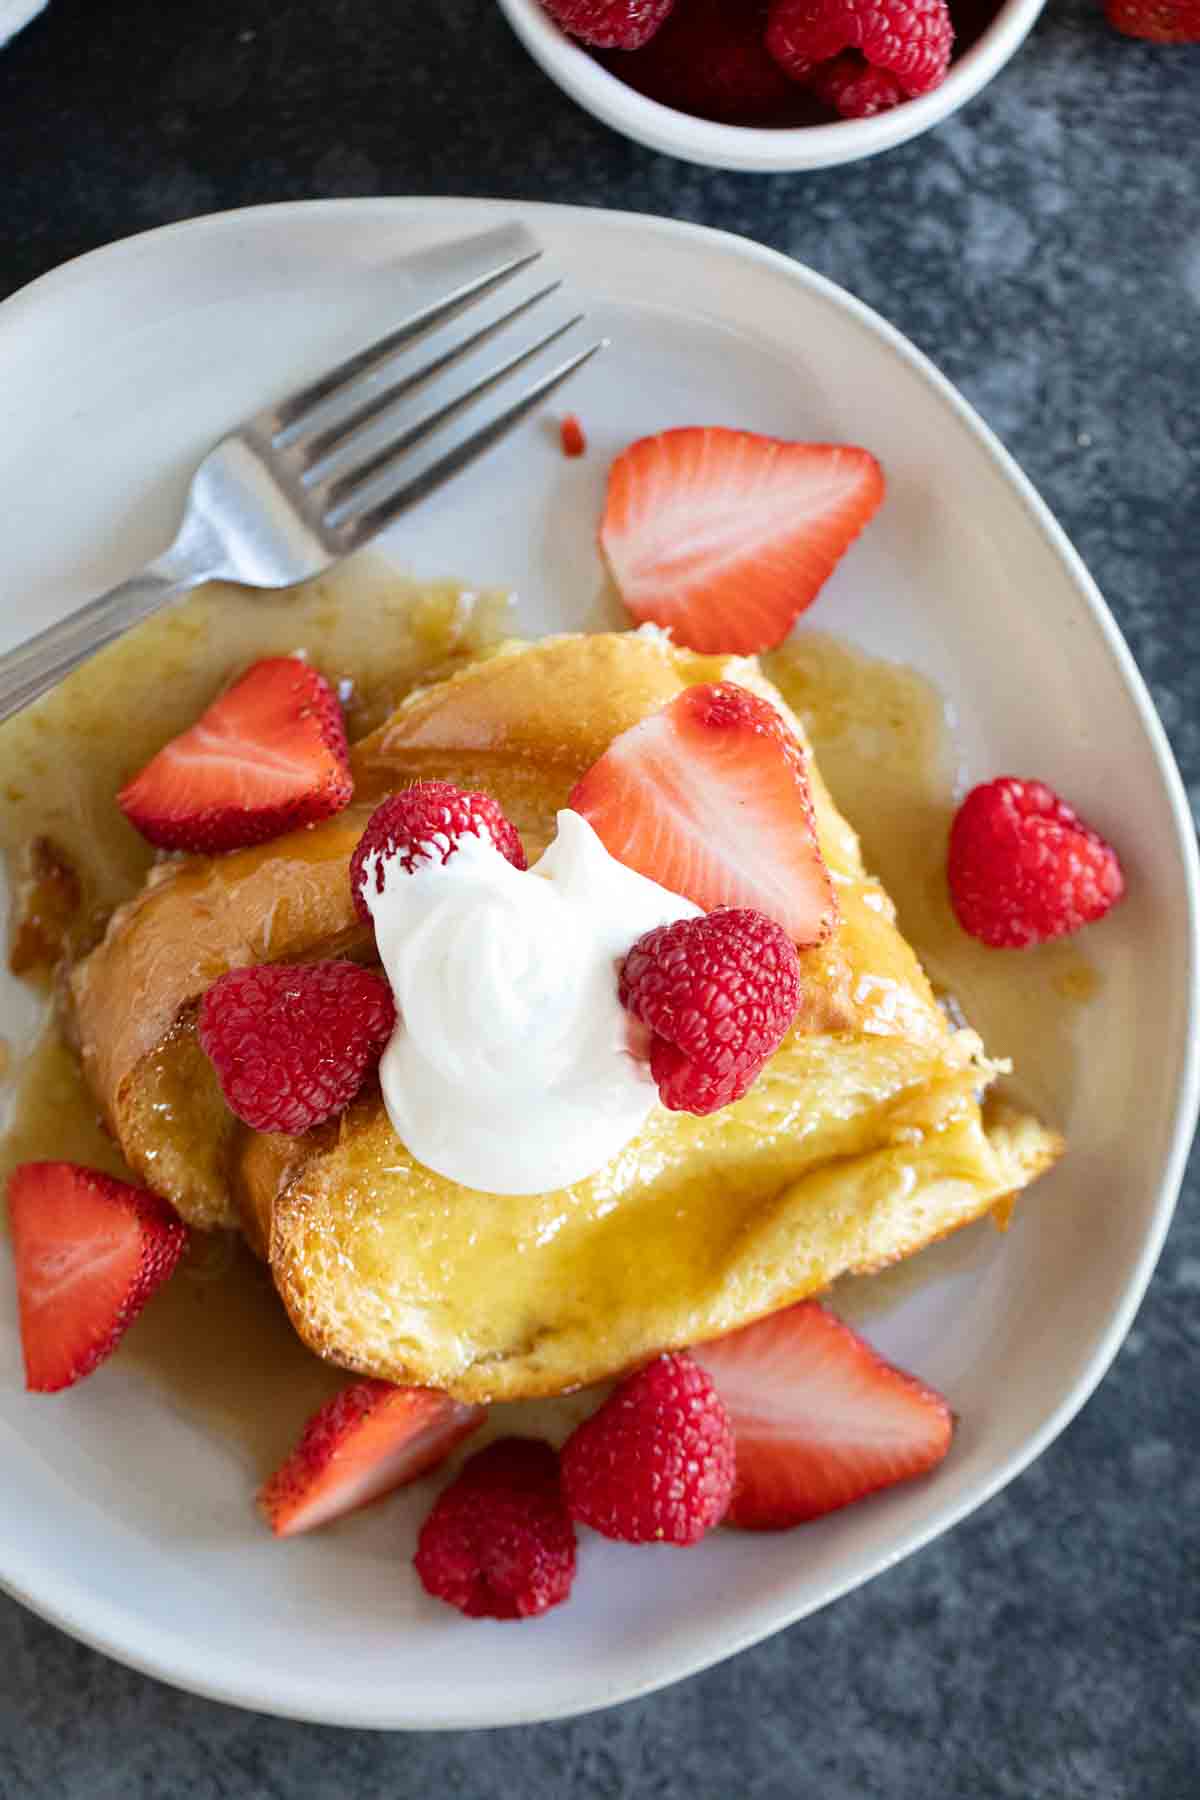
(216, 1342)
(373, 634)
(883, 743)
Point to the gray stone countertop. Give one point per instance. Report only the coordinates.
(1044, 248)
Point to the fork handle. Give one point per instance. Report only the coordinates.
(42, 661)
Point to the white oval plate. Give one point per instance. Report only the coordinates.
(123, 1522)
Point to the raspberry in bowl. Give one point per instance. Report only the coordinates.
(760, 86)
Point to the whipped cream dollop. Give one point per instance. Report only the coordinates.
(513, 1068)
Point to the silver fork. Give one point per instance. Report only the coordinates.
(302, 484)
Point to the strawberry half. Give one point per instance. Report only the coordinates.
(366, 1441)
(89, 1252)
(819, 1418)
(709, 797)
(725, 537)
(269, 755)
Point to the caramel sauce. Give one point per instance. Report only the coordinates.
(215, 1342)
(882, 740)
(371, 633)
(882, 737)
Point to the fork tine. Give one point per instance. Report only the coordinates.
(355, 480)
(359, 518)
(508, 255)
(337, 438)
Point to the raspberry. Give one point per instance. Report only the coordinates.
(1023, 867)
(911, 38)
(610, 24)
(423, 822)
(709, 59)
(1162, 21)
(718, 994)
(498, 1543)
(292, 1044)
(850, 87)
(656, 1463)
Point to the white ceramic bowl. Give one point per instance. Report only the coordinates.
(124, 1517)
(750, 147)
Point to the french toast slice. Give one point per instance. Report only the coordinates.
(834, 1164)
(863, 1140)
(523, 729)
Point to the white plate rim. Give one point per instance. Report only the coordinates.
(65, 1604)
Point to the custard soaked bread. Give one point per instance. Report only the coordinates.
(862, 1141)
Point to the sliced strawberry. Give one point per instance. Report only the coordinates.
(269, 755)
(89, 1252)
(574, 439)
(819, 1418)
(709, 797)
(370, 1438)
(725, 537)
